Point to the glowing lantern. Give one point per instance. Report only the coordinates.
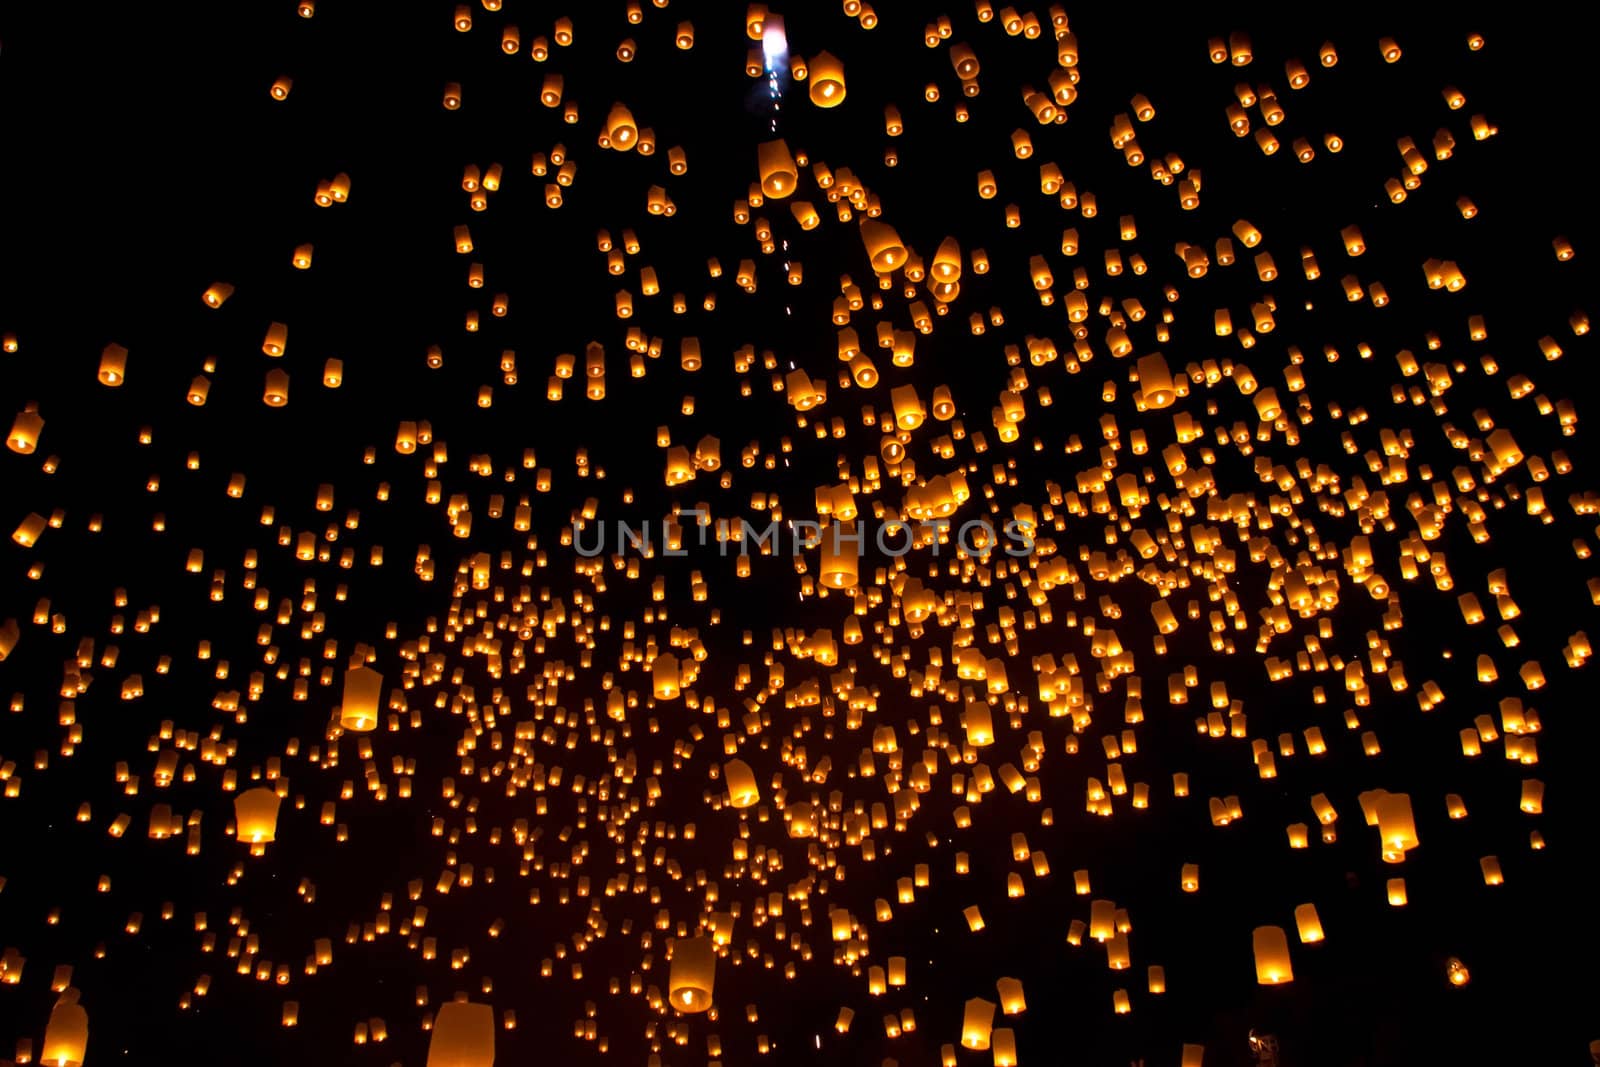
(826, 75)
(113, 365)
(24, 435)
(908, 410)
(463, 1036)
(363, 690)
(1396, 825)
(256, 812)
(839, 565)
(66, 1036)
(1271, 947)
(977, 1022)
(743, 792)
(1308, 923)
(1155, 381)
(694, 968)
(275, 392)
(883, 245)
(1011, 999)
(621, 131)
(779, 175)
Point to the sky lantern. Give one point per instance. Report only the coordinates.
(906, 521)
(66, 1037)
(463, 1035)
(1271, 948)
(363, 693)
(743, 792)
(256, 815)
(825, 73)
(694, 966)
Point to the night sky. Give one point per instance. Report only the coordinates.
(1357, 241)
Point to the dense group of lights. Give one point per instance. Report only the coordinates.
(698, 796)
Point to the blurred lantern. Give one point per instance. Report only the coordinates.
(463, 1036)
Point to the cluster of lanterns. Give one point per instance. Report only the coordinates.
(968, 674)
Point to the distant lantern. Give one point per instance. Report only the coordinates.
(694, 969)
(256, 812)
(463, 1036)
(826, 75)
(363, 691)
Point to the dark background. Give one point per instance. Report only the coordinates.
(143, 159)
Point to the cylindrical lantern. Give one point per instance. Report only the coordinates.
(977, 1020)
(826, 74)
(779, 175)
(884, 246)
(24, 435)
(1271, 946)
(113, 365)
(463, 1036)
(1308, 923)
(256, 812)
(694, 968)
(66, 1036)
(840, 562)
(741, 782)
(363, 690)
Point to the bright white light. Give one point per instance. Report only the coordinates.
(774, 43)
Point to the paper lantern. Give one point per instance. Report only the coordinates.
(622, 132)
(256, 815)
(776, 165)
(363, 691)
(665, 676)
(463, 1036)
(883, 245)
(743, 792)
(113, 365)
(826, 75)
(693, 970)
(66, 1035)
(1155, 381)
(275, 391)
(840, 557)
(1271, 947)
(1308, 923)
(25, 429)
(977, 1022)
